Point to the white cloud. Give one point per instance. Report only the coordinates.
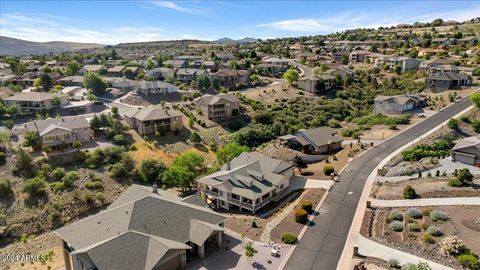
(181, 8)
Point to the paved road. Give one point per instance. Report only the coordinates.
(307, 72)
(322, 244)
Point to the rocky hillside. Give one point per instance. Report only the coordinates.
(13, 46)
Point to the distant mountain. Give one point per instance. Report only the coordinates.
(15, 47)
(226, 40)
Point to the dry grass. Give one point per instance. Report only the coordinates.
(146, 150)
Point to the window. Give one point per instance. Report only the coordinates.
(220, 193)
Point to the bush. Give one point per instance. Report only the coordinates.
(450, 245)
(93, 185)
(328, 170)
(87, 196)
(427, 238)
(413, 227)
(469, 260)
(307, 205)
(409, 192)
(393, 263)
(118, 171)
(452, 123)
(455, 183)
(34, 186)
(57, 186)
(57, 174)
(70, 178)
(426, 211)
(100, 197)
(5, 188)
(289, 238)
(414, 213)
(394, 215)
(301, 216)
(436, 215)
(396, 226)
(432, 230)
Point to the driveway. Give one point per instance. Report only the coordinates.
(322, 245)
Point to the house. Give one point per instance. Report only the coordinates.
(72, 81)
(36, 101)
(467, 151)
(153, 87)
(271, 68)
(451, 68)
(343, 71)
(397, 104)
(443, 41)
(175, 63)
(92, 68)
(439, 82)
(281, 62)
(218, 107)
(145, 228)
(471, 41)
(187, 75)
(61, 132)
(425, 65)
(358, 56)
(317, 83)
(422, 52)
(405, 63)
(71, 90)
(152, 118)
(123, 83)
(229, 78)
(249, 182)
(116, 71)
(160, 73)
(320, 140)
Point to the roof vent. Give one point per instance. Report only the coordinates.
(98, 221)
(155, 188)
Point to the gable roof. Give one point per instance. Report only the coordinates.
(34, 96)
(467, 143)
(151, 113)
(448, 76)
(208, 99)
(45, 125)
(400, 99)
(320, 136)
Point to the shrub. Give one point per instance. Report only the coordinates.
(93, 185)
(413, 227)
(118, 171)
(432, 230)
(289, 238)
(427, 238)
(455, 183)
(57, 174)
(70, 178)
(424, 225)
(56, 186)
(394, 215)
(393, 263)
(5, 188)
(328, 170)
(470, 261)
(452, 123)
(414, 213)
(396, 226)
(100, 197)
(307, 205)
(301, 215)
(34, 186)
(409, 192)
(87, 196)
(426, 211)
(450, 245)
(436, 215)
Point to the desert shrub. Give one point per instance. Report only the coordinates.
(419, 266)
(56, 186)
(409, 192)
(393, 263)
(300, 215)
(57, 174)
(455, 183)
(469, 260)
(414, 213)
(328, 170)
(307, 205)
(93, 185)
(432, 230)
(70, 178)
(34, 186)
(396, 226)
(394, 215)
(426, 211)
(413, 227)
(118, 171)
(427, 238)
(436, 215)
(450, 245)
(424, 225)
(86, 196)
(100, 197)
(437, 149)
(289, 238)
(5, 188)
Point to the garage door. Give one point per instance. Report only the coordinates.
(469, 160)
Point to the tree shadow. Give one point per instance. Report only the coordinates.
(32, 201)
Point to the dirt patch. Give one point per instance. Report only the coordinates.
(425, 187)
(288, 224)
(383, 132)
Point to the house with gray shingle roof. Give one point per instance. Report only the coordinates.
(36, 101)
(143, 229)
(439, 82)
(467, 151)
(61, 132)
(397, 104)
(153, 118)
(248, 182)
(317, 140)
(218, 107)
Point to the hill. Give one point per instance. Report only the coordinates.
(13, 46)
(226, 40)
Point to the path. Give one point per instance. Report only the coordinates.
(426, 202)
(370, 248)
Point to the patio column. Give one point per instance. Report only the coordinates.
(220, 238)
(183, 260)
(201, 251)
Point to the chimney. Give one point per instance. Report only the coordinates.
(155, 188)
(229, 166)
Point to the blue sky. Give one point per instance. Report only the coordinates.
(112, 22)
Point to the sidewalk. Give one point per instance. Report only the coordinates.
(426, 202)
(367, 247)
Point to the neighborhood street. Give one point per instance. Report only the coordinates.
(322, 244)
